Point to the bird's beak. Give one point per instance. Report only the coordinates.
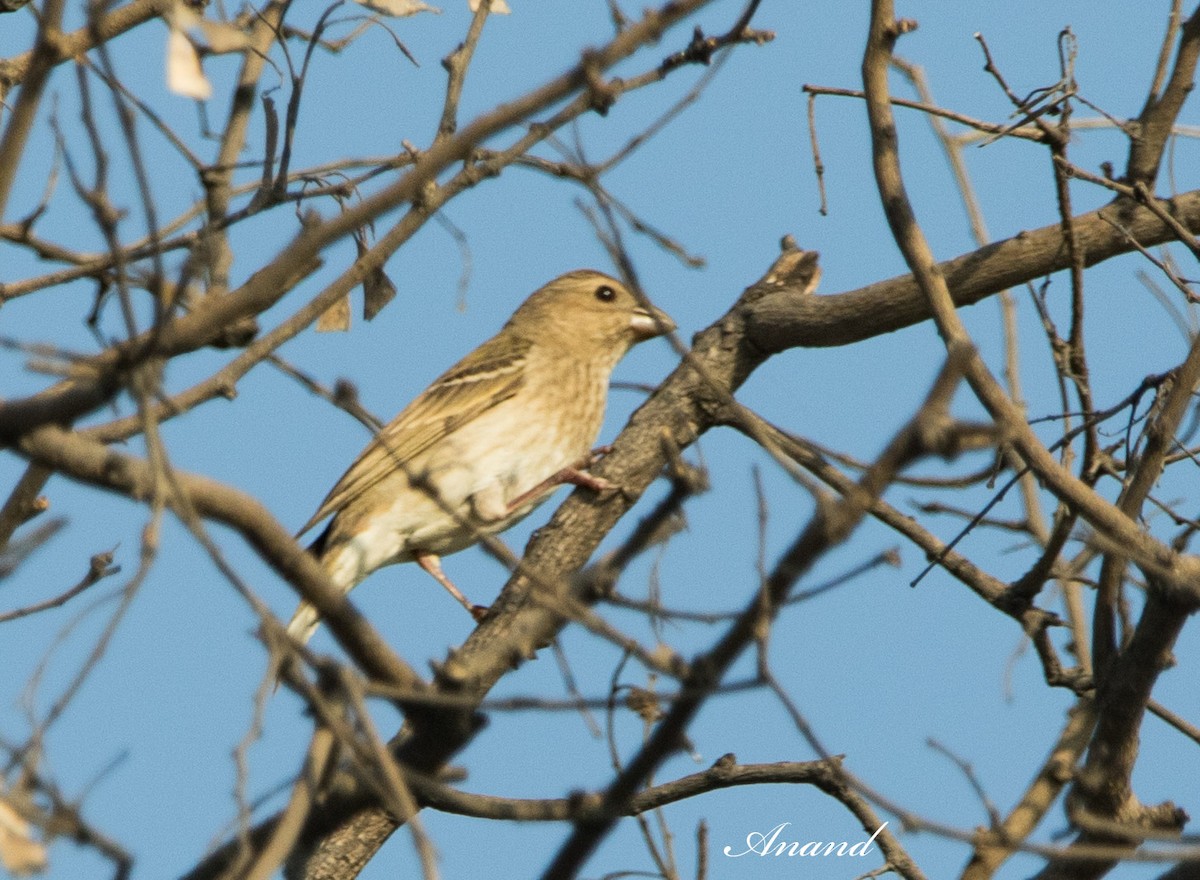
(648, 322)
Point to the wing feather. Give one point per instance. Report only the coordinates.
(487, 376)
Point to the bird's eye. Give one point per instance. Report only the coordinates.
(605, 294)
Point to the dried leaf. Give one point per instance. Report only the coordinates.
(20, 853)
(398, 8)
(499, 7)
(378, 291)
(184, 74)
(336, 317)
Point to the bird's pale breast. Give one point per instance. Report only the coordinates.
(478, 470)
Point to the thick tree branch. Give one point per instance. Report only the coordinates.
(782, 322)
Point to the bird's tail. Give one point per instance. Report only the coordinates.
(303, 623)
(306, 619)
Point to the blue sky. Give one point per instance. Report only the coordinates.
(876, 666)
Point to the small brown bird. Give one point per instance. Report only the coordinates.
(488, 441)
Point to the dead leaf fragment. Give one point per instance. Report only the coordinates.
(499, 7)
(336, 317)
(20, 853)
(398, 8)
(185, 76)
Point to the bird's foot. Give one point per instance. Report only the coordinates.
(577, 477)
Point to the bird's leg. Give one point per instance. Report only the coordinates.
(574, 474)
(432, 564)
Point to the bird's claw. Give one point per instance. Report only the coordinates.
(602, 486)
(598, 453)
(479, 612)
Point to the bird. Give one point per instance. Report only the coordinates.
(487, 442)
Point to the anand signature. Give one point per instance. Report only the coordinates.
(771, 844)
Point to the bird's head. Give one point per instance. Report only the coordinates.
(588, 307)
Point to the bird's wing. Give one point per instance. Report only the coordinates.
(490, 374)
